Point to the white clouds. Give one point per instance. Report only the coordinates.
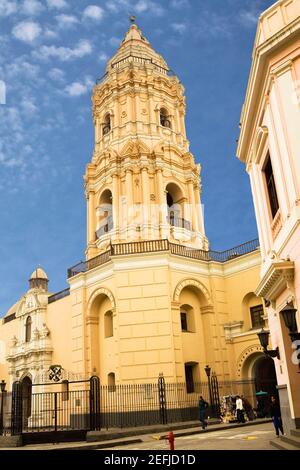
(141, 6)
(248, 18)
(66, 21)
(50, 34)
(93, 12)
(59, 4)
(7, 7)
(179, 28)
(21, 68)
(27, 31)
(114, 41)
(178, 4)
(32, 7)
(56, 74)
(78, 89)
(28, 106)
(83, 48)
(112, 6)
(147, 5)
(103, 57)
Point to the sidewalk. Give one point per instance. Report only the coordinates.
(118, 437)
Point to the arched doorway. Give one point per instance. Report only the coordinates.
(26, 396)
(101, 340)
(265, 375)
(260, 370)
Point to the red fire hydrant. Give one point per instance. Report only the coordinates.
(171, 440)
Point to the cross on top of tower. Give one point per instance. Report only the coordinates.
(132, 19)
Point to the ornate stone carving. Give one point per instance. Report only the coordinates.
(44, 331)
(279, 276)
(245, 354)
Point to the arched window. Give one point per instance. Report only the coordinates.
(164, 118)
(175, 203)
(187, 319)
(28, 329)
(106, 128)
(111, 381)
(108, 325)
(104, 211)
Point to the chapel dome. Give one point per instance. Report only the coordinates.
(38, 279)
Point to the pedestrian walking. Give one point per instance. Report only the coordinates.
(276, 415)
(248, 408)
(203, 405)
(239, 409)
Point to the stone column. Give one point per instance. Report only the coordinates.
(194, 221)
(93, 345)
(129, 197)
(199, 210)
(91, 217)
(209, 326)
(115, 202)
(178, 362)
(163, 212)
(146, 196)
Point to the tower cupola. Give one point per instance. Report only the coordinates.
(39, 279)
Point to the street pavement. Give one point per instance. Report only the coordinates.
(247, 438)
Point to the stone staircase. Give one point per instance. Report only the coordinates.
(291, 442)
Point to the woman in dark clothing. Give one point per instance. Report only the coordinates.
(203, 405)
(276, 415)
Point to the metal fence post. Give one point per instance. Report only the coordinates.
(215, 394)
(3, 384)
(17, 409)
(162, 399)
(55, 411)
(95, 404)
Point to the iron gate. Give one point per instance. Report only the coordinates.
(48, 416)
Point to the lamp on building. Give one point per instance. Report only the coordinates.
(289, 317)
(208, 372)
(2, 386)
(264, 341)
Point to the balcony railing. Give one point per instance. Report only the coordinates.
(59, 295)
(179, 222)
(151, 246)
(105, 228)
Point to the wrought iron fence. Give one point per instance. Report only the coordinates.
(116, 406)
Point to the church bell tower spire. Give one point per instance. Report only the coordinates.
(142, 183)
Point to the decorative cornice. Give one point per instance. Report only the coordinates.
(278, 277)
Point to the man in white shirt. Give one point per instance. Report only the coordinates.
(239, 409)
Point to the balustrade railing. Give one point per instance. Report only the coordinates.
(179, 222)
(58, 295)
(150, 246)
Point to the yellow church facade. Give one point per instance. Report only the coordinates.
(151, 297)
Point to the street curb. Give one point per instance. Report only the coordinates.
(180, 433)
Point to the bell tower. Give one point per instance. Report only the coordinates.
(142, 183)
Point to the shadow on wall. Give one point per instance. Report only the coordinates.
(2, 352)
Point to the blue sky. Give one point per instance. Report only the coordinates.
(52, 51)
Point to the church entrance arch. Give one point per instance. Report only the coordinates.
(27, 398)
(260, 370)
